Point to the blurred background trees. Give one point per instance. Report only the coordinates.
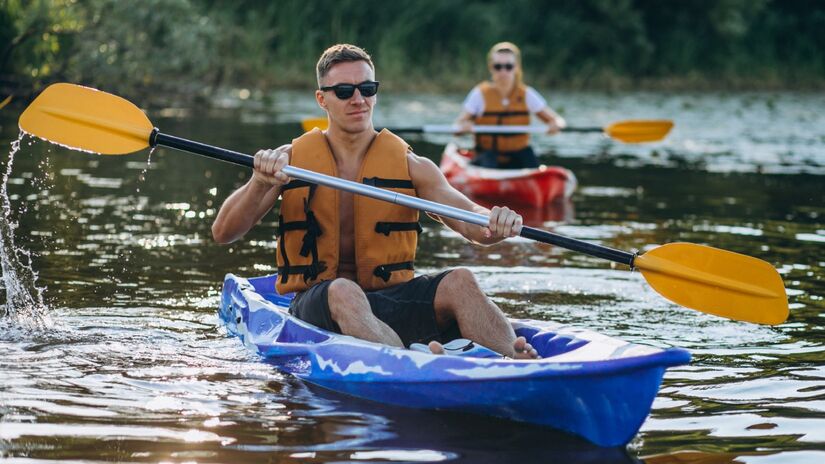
(191, 47)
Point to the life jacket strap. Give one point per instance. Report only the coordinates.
(309, 243)
(296, 183)
(309, 272)
(387, 227)
(294, 225)
(384, 271)
(504, 114)
(388, 183)
(284, 270)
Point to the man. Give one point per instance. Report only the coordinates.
(348, 257)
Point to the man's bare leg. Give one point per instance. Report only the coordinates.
(460, 298)
(350, 309)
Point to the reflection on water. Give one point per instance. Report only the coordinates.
(137, 368)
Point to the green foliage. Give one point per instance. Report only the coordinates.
(123, 46)
(34, 34)
(191, 46)
(586, 43)
(132, 45)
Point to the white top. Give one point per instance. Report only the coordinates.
(474, 103)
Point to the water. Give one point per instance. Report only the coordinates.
(136, 368)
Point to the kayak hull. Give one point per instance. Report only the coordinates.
(532, 187)
(588, 384)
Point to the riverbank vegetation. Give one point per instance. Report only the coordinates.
(192, 47)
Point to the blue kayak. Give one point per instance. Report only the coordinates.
(588, 384)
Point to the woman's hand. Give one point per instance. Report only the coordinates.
(465, 126)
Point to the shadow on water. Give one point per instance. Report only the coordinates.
(467, 438)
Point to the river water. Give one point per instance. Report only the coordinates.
(130, 363)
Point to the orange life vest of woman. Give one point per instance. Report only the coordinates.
(386, 234)
(495, 113)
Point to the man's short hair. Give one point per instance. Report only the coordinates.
(340, 53)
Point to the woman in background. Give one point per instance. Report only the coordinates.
(505, 100)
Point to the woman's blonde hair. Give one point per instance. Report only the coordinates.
(507, 47)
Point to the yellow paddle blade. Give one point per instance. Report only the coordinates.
(716, 281)
(87, 119)
(311, 123)
(639, 131)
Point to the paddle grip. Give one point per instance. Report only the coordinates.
(587, 248)
(158, 138)
(584, 129)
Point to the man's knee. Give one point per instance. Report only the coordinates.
(456, 286)
(457, 292)
(345, 299)
(460, 279)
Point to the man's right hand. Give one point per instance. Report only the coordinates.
(268, 166)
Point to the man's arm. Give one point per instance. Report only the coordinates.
(248, 205)
(430, 184)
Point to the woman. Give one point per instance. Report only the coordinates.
(505, 101)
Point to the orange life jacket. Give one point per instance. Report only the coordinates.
(514, 114)
(386, 234)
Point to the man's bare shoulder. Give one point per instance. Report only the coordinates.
(421, 166)
(427, 178)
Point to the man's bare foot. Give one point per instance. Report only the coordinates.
(523, 349)
(436, 348)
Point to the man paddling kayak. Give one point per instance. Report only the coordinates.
(350, 258)
(505, 100)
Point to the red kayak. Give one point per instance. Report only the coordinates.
(535, 187)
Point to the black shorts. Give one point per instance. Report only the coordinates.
(407, 308)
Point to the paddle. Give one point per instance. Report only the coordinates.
(703, 278)
(638, 131)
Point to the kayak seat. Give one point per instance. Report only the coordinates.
(294, 332)
(549, 343)
(279, 300)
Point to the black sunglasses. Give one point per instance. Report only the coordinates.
(507, 66)
(346, 91)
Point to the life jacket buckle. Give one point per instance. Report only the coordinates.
(382, 273)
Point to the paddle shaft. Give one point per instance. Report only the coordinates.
(539, 235)
(488, 130)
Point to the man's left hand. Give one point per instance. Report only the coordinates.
(504, 223)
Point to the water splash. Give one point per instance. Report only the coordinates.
(142, 176)
(24, 300)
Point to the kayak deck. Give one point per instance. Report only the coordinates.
(588, 384)
(534, 187)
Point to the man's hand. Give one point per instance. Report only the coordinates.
(504, 223)
(268, 166)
